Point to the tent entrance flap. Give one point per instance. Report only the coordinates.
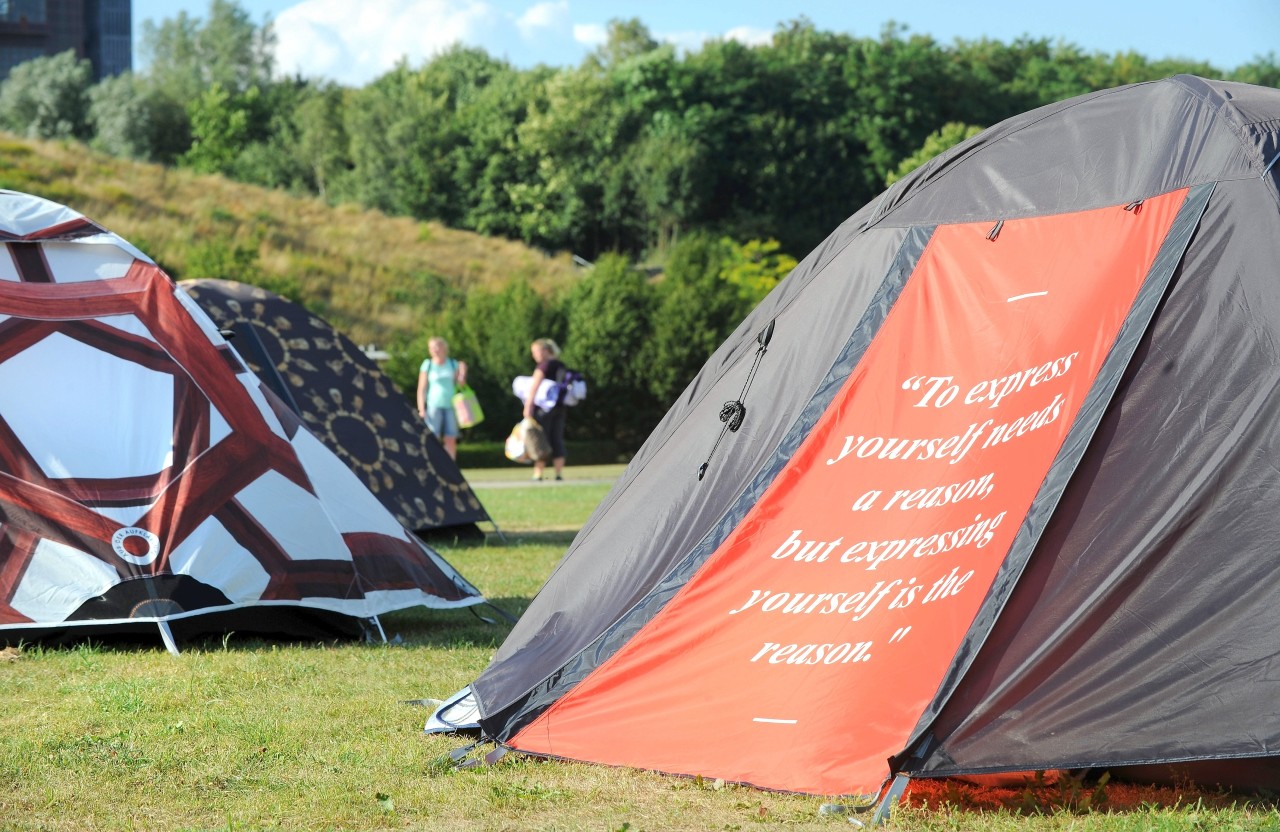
(802, 655)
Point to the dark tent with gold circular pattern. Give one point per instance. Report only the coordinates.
(347, 402)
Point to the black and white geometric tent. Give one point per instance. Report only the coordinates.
(1004, 495)
(346, 400)
(148, 481)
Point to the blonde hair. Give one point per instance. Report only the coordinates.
(548, 346)
(436, 339)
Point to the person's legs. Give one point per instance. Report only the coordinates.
(435, 421)
(555, 435)
(543, 419)
(443, 424)
(450, 432)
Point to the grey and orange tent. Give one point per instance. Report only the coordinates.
(346, 400)
(990, 482)
(149, 483)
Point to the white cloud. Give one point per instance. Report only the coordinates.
(749, 35)
(541, 18)
(684, 41)
(693, 41)
(324, 38)
(590, 34)
(354, 43)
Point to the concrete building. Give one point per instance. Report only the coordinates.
(100, 30)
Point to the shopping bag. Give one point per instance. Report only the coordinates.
(514, 447)
(527, 443)
(536, 442)
(467, 407)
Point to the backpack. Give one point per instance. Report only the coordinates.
(572, 386)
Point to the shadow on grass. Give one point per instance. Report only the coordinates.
(481, 626)
(1151, 790)
(555, 537)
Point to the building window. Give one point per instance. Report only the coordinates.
(23, 11)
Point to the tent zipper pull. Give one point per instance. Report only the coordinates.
(1135, 206)
(995, 231)
(732, 413)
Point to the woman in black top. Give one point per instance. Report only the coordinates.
(547, 356)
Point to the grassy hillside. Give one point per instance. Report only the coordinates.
(370, 275)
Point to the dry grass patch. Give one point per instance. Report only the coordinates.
(371, 275)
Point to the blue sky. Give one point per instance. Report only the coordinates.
(355, 42)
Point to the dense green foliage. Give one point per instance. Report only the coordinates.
(635, 146)
(719, 166)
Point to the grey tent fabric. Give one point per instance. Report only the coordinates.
(1141, 628)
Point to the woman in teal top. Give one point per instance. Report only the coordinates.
(438, 380)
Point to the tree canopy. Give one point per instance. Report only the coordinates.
(717, 167)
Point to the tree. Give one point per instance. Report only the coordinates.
(609, 321)
(322, 143)
(186, 55)
(47, 97)
(1263, 70)
(186, 58)
(753, 269)
(625, 39)
(131, 118)
(220, 128)
(783, 156)
(944, 138)
(708, 287)
(903, 85)
(581, 141)
(491, 159)
(270, 154)
(402, 132)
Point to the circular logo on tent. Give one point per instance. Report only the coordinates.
(135, 545)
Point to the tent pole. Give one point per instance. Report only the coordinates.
(166, 635)
(912, 761)
(378, 624)
(254, 350)
(501, 536)
(890, 799)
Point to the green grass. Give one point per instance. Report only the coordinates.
(487, 454)
(242, 734)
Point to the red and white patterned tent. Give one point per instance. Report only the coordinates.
(146, 478)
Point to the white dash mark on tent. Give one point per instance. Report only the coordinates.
(1028, 295)
(775, 721)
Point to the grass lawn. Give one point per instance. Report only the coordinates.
(239, 734)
